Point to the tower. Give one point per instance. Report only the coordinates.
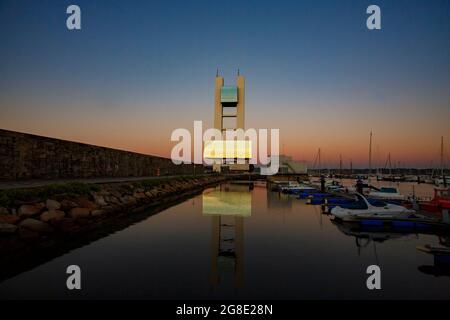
(229, 114)
(229, 111)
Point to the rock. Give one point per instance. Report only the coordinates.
(115, 193)
(66, 205)
(7, 228)
(99, 200)
(149, 194)
(36, 226)
(114, 200)
(29, 210)
(9, 218)
(139, 195)
(102, 192)
(52, 215)
(52, 204)
(3, 211)
(98, 213)
(128, 200)
(109, 209)
(86, 203)
(77, 213)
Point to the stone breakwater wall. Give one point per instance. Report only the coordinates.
(28, 156)
(59, 216)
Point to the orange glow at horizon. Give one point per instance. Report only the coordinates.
(149, 133)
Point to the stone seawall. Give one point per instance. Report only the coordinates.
(33, 221)
(27, 156)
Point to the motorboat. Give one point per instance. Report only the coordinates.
(362, 208)
(295, 188)
(344, 201)
(440, 181)
(289, 185)
(385, 193)
(277, 185)
(440, 201)
(336, 186)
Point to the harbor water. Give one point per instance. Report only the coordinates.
(237, 242)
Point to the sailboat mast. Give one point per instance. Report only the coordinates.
(442, 156)
(370, 157)
(318, 155)
(390, 165)
(442, 163)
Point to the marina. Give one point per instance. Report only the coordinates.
(225, 158)
(178, 253)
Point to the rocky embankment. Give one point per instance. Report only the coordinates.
(27, 216)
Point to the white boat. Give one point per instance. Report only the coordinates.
(329, 184)
(386, 193)
(411, 178)
(337, 188)
(295, 186)
(289, 185)
(440, 181)
(363, 209)
(303, 187)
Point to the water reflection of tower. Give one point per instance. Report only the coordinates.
(227, 205)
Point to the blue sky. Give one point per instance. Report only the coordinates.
(304, 61)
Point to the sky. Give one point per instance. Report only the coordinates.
(137, 70)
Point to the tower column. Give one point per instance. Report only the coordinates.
(218, 112)
(240, 121)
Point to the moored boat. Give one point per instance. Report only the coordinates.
(296, 188)
(385, 193)
(440, 201)
(363, 209)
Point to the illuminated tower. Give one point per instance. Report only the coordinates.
(229, 104)
(229, 112)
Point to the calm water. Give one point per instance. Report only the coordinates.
(234, 243)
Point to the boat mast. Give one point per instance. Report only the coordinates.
(318, 157)
(390, 166)
(442, 162)
(442, 156)
(370, 158)
(388, 161)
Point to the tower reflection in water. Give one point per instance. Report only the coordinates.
(227, 205)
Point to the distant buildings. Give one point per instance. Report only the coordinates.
(290, 166)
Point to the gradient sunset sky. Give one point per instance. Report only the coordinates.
(139, 69)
